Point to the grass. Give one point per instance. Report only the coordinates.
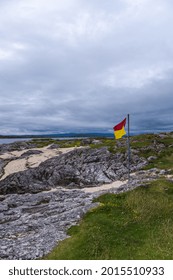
(105, 142)
(152, 145)
(43, 142)
(132, 225)
(61, 143)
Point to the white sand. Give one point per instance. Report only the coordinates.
(113, 185)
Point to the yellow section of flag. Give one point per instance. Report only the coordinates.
(119, 129)
(119, 133)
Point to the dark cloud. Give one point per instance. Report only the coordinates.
(76, 65)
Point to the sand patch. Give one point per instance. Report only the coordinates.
(113, 185)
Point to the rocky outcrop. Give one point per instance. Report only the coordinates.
(76, 169)
(32, 224)
(17, 146)
(30, 153)
(38, 205)
(54, 146)
(2, 165)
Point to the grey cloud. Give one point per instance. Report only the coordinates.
(74, 64)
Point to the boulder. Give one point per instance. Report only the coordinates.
(30, 153)
(151, 158)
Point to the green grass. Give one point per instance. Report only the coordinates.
(61, 143)
(132, 225)
(150, 145)
(43, 142)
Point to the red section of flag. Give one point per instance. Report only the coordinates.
(120, 125)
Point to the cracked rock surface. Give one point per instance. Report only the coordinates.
(39, 204)
(32, 224)
(75, 169)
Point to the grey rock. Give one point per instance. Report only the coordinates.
(151, 158)
(31, 225)
(163, 172)
(39, 221)
(54, 146)
(154, 170)
(78, 168)
(31, 152)
(161, 135)
(86, 141)
(3, 163)
(96, 141)
(35, 212)
(17, 146)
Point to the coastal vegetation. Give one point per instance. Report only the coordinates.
(134, 225)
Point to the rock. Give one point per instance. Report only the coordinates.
(23, 182)
(162, 136)
(17, 146)
(39, 221)
(31, 152)
(31, 225)
(134, 151)
(78, 168)
(160, 147)
(54, 146)
(95, 141)
(151, 158)
(86, 141)
(3, 163)
(163, 172)
(154, 170)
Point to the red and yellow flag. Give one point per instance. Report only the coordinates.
(119, 129)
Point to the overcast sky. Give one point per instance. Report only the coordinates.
(83, 65)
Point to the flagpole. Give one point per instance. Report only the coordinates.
(128, 145)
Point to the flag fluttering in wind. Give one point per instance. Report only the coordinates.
(119, 129)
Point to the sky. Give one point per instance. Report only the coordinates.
(83, 65)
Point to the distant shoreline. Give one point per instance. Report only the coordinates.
(8, 139)
(60, 135)
(76, 135)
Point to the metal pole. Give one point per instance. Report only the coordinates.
(128, 146)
